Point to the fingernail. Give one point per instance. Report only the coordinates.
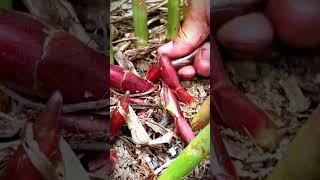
(165, 49)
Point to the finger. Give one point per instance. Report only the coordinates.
(202, 60)
(194, 31)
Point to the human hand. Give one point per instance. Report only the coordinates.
(193, 32)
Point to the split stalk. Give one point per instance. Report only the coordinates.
(202, 118)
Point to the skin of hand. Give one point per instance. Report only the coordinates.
(194, 31)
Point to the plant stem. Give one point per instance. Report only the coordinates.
(191, 156)
(170, 77)
(153, 73)
(111, 49)
(123, 80)
(302, 160)
(202, 118)
(185, 8)
(236, 109)
(174, 15)
(111, 54)
(170, 103)
(6, 4)
(220, 161)
(140, 21)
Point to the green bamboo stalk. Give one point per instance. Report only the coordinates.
(111, 54)
(202, 118)
(302, 160)
(191, 156)
(140, 21)
(174, 15)
(111, 48)
(6, 4)
(185, 9)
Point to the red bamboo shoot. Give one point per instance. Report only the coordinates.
(37, 60)
(117, 119)
(153, 73)
(46, 134)
(170, 103)
(236, 109)
(85, 124)
(221, 164)
(123, 80)
(170, 77)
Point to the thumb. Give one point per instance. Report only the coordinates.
(194, 31)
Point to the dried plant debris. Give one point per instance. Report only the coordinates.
(297, 101)
(288, 90)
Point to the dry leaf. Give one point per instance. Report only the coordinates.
(138, 133)
(73, 168)
(37, 158)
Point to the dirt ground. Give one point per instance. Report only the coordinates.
(287, 88)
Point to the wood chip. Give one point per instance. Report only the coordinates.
(298, 102)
